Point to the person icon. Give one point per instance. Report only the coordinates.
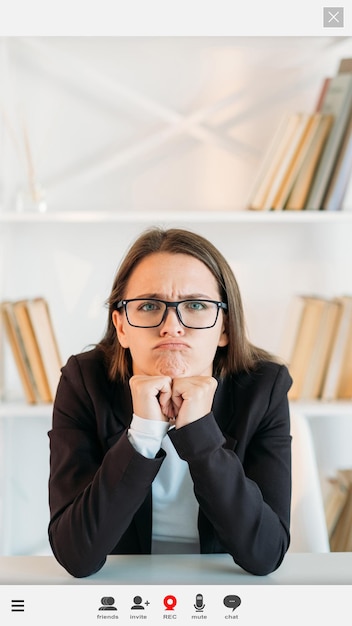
(137, 603)
(107, 604)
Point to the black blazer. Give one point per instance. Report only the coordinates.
(239, 457)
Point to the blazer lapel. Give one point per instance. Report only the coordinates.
(122, 403)
(224, 412)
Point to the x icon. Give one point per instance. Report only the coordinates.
(333, 17)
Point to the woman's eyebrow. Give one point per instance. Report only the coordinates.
(188, 296)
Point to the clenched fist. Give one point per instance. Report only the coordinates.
(184, 399)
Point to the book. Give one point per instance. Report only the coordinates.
(341, 175)
(2, 357)
(331, 387)
(335, 500)
(341, 536)
(272, 160)
(32, 349)
(345, 66)
(305, 343)
(39, 315)
(346, 204)
(18, 351)
(288, 339)
(303, 138)
(322, 93)
(337, 102)
(277, 191)
(344, 537)
(344, 389)
(302, 184)
(339, 193)
(321, 351)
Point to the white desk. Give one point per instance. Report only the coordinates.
(296, 569)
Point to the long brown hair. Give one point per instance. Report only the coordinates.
(238, 355)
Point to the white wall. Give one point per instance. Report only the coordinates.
(152, 123)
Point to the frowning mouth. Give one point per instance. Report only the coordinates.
(171, 345)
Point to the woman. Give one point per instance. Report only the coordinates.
(172, 434)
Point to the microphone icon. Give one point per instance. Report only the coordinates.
(199, 605)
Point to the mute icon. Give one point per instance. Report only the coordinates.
(199, 605)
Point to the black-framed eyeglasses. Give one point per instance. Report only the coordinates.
(151, 312)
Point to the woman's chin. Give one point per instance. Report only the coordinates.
(171, 365)
(172, 371)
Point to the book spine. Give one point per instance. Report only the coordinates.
(330, 153)
(341, 176)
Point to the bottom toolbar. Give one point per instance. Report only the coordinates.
(58, 605)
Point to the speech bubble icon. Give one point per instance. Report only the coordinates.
(232, 602)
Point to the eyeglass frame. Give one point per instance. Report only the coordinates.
(122, 304)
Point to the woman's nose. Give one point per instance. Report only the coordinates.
(171, 322)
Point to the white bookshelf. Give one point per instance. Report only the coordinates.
(170, 217)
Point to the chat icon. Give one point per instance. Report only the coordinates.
(232, 602)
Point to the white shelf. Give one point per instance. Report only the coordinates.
(21, 409)
(269, 217)
(320, 408)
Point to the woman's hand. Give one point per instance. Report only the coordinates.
(184, 399)
(192, 398)
(151, 397)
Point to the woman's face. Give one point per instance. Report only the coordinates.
(171, 349)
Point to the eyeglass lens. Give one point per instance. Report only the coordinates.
(192, 313)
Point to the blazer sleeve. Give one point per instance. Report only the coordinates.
(247, 501)
(93, 493)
